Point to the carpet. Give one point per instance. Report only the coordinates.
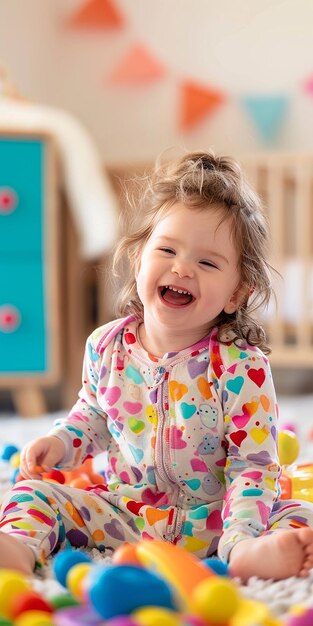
(280, 596)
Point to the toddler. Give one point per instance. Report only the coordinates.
(179, 392)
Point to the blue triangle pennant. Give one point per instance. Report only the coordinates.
(267, 112)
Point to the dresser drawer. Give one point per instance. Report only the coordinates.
(23, 324)
(22, 184)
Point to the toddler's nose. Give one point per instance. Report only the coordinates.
(182, 268)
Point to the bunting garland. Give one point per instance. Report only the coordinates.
(197, 101)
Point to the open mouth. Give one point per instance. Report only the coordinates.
(175, 296)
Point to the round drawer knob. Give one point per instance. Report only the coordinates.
(10, 318)
(8, 200)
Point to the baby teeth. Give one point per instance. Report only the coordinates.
(178, 290)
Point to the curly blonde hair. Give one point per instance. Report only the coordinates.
(200, 180)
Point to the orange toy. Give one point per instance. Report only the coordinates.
(83, 476)
(126, 554)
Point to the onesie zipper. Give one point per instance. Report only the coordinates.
(163, 463)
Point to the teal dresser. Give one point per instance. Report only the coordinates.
(29, 299)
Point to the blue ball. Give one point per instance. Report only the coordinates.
(14, 475)
(65, 560)
(8, 451)
(217, 566)
(121, 589)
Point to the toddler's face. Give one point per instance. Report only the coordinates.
(188, 271)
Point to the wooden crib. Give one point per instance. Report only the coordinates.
(285, 183)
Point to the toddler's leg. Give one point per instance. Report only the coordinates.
(285, 550)
(43, 515)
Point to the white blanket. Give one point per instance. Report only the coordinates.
(90, 196)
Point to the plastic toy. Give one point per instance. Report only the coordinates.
(216, 565)
(81, 477)
(75, 580)
(126, 553)
(63, 562)
(288, 447)
(155, 616)
(303, 617)
(78, 615)
(136, 587)
(7, 451)
(216, 599)
(149, 595)
(34, 618)
(296, 482)
(29, 600)
(180, 568)
(12, 583)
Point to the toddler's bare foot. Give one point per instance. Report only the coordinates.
(279, 555)
(16, 555)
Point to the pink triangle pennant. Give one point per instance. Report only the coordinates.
(308, 85)
(137, 66)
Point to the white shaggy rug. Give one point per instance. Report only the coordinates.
(279, 596)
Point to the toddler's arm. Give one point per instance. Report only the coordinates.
(84, 431)
(252, 466)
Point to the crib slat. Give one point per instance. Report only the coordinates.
(275, 207)
(285, 182)
(302, 207)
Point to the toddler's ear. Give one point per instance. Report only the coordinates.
(239, 296)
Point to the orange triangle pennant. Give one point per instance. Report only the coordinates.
(197, 102)
(137, 66)
(100, 14)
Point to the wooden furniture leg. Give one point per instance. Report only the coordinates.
(29, 401)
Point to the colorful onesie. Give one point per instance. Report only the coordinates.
(191, 451)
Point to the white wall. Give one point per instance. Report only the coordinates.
(241, 46)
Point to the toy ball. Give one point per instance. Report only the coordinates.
(16, 476)
(15, 460)
(63, 562)
(122, 620)
(126, 553)
(155, 616)
(30, 600)
(288, 426)
(194, 620)
(75, 615)
(34, 618)
(303, 617)
(216, 599)
(121, 589)
(12, 583)
(7, 451)
(216, 565)
(63, 600)
(75, 579)
(288, 447)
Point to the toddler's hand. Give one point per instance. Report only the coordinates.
(41, 455)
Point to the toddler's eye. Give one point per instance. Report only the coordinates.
(168, 250)
(208, 264)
